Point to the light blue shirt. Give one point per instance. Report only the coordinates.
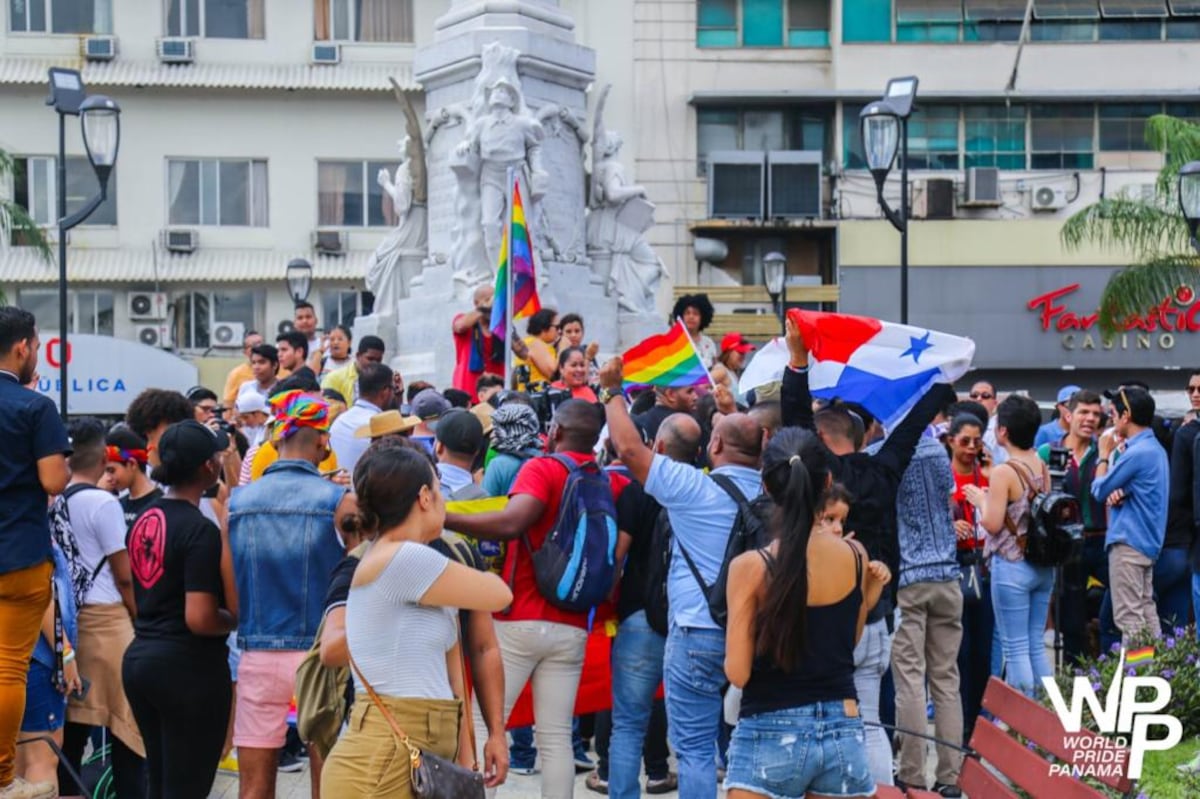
(1140, 521)
(453, 478)
(341, 435)
(1049, 433)
(702, 516)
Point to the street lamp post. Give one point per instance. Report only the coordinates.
(299, 279)
(100, 122)
(1189, 198)
(775, 276)
(884, 131)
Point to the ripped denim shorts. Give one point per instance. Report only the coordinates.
(786, 754)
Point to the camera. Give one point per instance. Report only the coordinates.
(545, 400)
(1057, 465)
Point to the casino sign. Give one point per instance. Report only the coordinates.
(1155, 329)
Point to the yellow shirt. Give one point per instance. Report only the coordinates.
(535, 374)
(344, 381)
(267, 455)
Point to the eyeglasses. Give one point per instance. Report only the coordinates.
(967, 441)
(1193, 389)
(978, 395)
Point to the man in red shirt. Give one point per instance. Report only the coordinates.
(476, 350)
(538, 640)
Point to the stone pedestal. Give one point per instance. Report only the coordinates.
(423, 327)
(575, 288)
(637, 327)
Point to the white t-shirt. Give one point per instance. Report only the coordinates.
(99, 527)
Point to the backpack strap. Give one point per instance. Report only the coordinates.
(68, 492)
(729, 487)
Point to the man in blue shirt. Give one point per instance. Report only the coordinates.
(1053, 431)
(1136, 490)
(702, 515)
(32, 465)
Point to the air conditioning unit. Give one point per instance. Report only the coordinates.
(1047, 198)
(181, 239)
(176, 50)
(933, 198)
(330, 242)
(735, 184)
(983, 187)
(98, 48)
(147, 305)
(326, 53)
(794, 184)
(228, 334)
(157, 335)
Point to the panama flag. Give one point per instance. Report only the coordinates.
(883, 366)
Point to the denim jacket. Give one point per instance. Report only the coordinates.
(64, 592)
(285, 546)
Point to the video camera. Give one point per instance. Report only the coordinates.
(545, 400)
(1057, 465)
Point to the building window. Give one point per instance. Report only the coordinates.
(342, 307)
(995, 136)
(801, 127)
(1061, 136)
(928, 20)
(1123, 126)
(35, 188)
(60, 16)
(348, 195)
(215, 19)
(87, 311)
(211, 192)
(363, 20)
(198, 312)
(866, 21)
(933, 137)
(763, 23)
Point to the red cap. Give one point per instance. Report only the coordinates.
(735, 341)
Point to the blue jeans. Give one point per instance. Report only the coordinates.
(872, 657)
(637, 670)
(522, 753)
(1021, 599)
(694, 667)
(1196, 599)
(1172, 587)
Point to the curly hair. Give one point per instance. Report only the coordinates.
(698, 301)
(154, 407)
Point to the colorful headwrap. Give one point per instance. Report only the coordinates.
(122, 455)
(294, 410)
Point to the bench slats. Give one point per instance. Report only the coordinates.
(979, 783)
(888, 792)
(758, 294)
(1027, 769)
(1038, 724)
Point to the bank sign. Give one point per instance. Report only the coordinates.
(105, 373)
(1028, 317)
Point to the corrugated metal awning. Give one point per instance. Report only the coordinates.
(23, 265)
(121, 72)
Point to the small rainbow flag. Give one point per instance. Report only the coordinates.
(668, 361)
(516, 257)
(1136, 656)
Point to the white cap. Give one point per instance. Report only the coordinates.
(251, 402)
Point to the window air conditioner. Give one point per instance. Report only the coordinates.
(983, 186)
(933, 198)
(99, 48)
(147, 305)
(330, 242)
(180, 239)
(176, 50)
(326, 53)
(228, 334)
(735, 184)
(1047, 198)
(155, 335)
(794, 184)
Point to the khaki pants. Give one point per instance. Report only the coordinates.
(1131, 581)
(369, 760)
(24, 595)
(926, 648)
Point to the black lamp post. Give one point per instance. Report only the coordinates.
(884, 130)
(775, 276)
(100, 121)
(299, 279)
(1189, 198)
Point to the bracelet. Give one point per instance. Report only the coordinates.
(68, 657)
(1102, 460)
(800, 370)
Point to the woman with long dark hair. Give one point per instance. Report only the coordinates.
(791, 637)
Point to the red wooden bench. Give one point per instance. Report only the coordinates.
(1027, 769)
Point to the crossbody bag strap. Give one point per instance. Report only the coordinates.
(1026, 485)
(414, 754)
(468, 714)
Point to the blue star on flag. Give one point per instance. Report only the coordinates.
(916, 346)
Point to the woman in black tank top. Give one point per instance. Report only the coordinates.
(791, 636)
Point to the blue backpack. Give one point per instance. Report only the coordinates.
(575, 567)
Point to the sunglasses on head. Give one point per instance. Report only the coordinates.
(978, 395)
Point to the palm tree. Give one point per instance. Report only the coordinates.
(15, 220)
(1152, 231)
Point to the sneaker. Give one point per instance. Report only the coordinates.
(524, 771)
(289, 763)
(20, 789)
(230, 763)
(594, 783)
(665, 785)
(583, 764)
(952, 791)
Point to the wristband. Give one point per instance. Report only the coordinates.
(68, 657)
(800, 370)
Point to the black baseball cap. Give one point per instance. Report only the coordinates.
(185, 446)
(460, 431)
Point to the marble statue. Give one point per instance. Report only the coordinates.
(398, 256)
(502, 134)
(618, 219)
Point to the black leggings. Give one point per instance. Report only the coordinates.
(129, 770)
(181, 703)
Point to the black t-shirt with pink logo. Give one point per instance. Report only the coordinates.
(173, 549)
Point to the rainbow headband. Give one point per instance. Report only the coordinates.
(122, 455)
(294, 410)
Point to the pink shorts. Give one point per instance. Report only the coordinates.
(266, 682)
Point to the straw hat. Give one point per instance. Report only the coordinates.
(483, 412)
(387, 423)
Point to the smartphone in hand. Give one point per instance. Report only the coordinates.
(81, 694)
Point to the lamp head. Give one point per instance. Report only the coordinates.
(774, 269)
(299, 279)
(901, 93)
(100, 118)
(66, 90)
(881, 138)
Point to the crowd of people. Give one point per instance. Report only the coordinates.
(164, 579)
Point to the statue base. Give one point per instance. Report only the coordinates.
(575, 288)
(637, 327)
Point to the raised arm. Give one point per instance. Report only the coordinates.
(623, 433)
(901, 444)
(795, 399)
(517, 517)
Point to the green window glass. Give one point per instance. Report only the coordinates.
(1183, 29)
(762, 23)
(866, 21)
(716, 129)
(716, 23)
(1123, 125)
(1061, 136)
(933, 137)
(1130, 30)
(928, 20)
(994, 135)
(853, 155)
(808, 23)
(1062, 31)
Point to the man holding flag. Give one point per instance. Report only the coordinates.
(903, 376)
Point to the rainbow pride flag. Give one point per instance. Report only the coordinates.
(1137, 656)
(515, 273)
(668, 361)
